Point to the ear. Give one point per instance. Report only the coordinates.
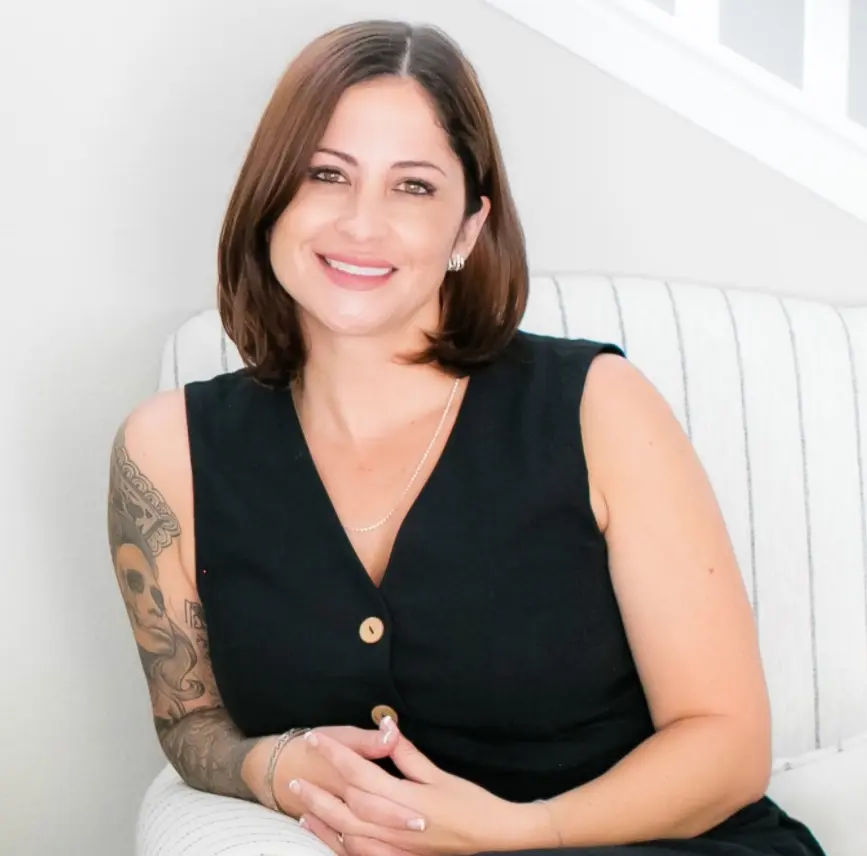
(472, 228)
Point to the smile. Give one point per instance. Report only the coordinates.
(355, 277)
(358, 271)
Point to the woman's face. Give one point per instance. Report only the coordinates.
(384, 194)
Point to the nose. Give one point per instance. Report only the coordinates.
(364, 218)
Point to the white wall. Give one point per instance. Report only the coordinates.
(122, 128)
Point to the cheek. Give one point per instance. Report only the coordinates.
(283, 249)
(306, 216)
(298, 225)
(426, 236)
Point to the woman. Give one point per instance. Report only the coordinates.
(498, 548)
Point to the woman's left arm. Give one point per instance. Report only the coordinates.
(689, 625)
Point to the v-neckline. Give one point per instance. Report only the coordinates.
(323, 498)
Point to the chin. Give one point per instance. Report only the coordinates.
(356, 327)
(372, 314)
(358, 320)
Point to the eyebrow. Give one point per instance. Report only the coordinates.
(408, 164)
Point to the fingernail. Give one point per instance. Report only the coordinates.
(302, 822)
(386, 726)
(417, 824)
(311, 738)
(294, 786)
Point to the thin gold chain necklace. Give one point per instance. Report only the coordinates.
(380, 523)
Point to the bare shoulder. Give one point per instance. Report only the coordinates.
(154, 435)
(624, 418)
(157, 426)
(617, 388)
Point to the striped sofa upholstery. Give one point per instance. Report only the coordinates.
(773, 393)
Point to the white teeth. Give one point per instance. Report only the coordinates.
(358, 271)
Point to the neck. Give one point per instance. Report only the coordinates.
(356, 389)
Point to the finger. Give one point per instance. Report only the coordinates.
(383, 812)
(377, 817)
(368, 743)
(352, 845)
(412, 763)
(355, 770)
(331, 810)
(323, 832)
(359, 846)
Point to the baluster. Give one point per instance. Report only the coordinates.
(701, 16)
(826, 55)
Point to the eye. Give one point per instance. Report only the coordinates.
(328, 175)
(325, 175)
(419, 188)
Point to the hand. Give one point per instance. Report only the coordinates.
(297, 757)
(349, 845)
(432, 812)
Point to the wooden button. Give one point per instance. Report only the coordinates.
(380, 712)
(371, 630)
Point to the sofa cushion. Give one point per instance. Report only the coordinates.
(176, 820)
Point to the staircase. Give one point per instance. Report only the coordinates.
(795, 112)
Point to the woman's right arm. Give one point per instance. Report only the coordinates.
(150, 532)
(150, 529)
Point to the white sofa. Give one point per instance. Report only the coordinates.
(773, 393)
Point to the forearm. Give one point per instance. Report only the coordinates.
(684, 780)
(209, 753)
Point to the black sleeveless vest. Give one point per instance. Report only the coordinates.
(494, 637)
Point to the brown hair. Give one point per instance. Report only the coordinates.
(482, 305)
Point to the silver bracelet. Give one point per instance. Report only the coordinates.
(282, 740)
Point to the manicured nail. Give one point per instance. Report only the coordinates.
(302, 822)
(294, 786)
(386, 726)
(417, 824)
(311, 739)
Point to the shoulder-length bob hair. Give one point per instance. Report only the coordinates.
(481, 306)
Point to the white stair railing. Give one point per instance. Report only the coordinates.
(826, 55)
(701, 16)
(675, 56)
(826, 47)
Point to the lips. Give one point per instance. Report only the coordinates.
(358, 261)
(356, 282)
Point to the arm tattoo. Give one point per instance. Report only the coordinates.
(208, 751)
(202, 744)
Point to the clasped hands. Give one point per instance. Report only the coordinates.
(430, 813)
